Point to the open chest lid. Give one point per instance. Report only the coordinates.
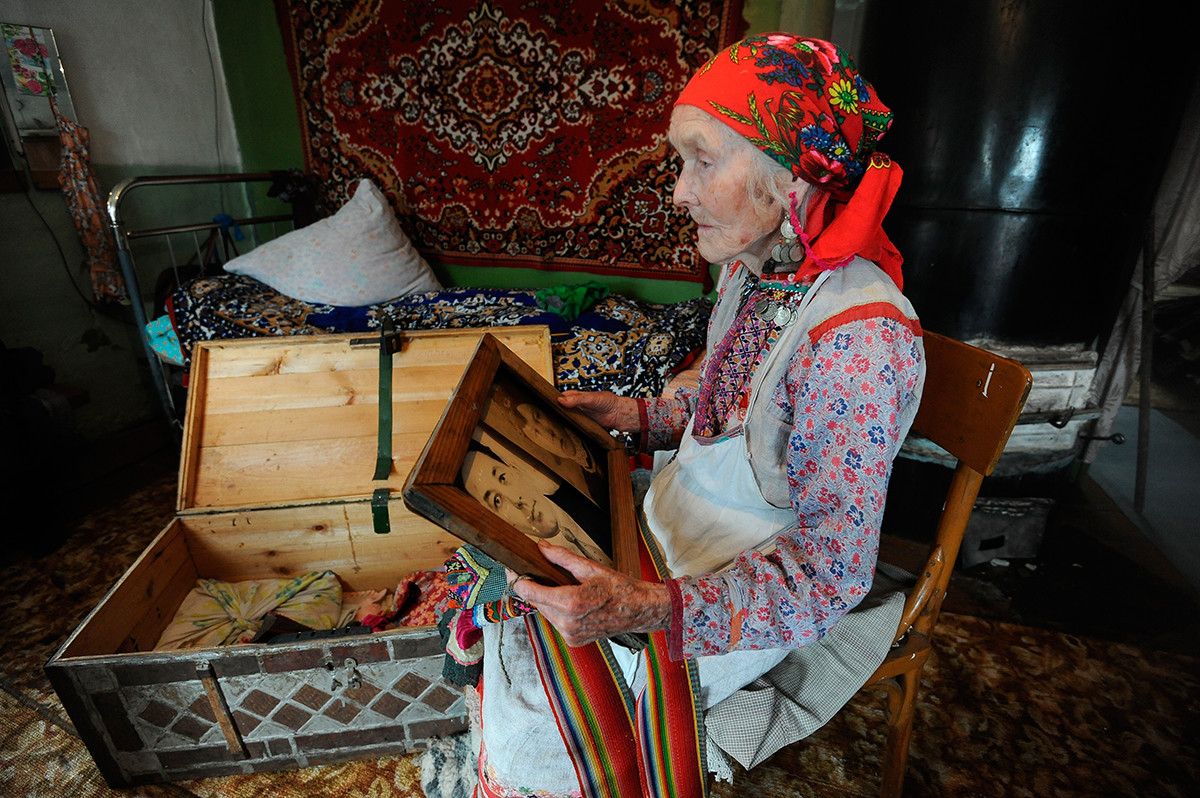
(277, 422)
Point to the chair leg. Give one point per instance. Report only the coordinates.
(901, 708)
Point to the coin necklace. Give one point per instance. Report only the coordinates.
(775, 301)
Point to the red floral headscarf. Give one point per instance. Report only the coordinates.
(803, 102)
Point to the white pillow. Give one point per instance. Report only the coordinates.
(359, 256)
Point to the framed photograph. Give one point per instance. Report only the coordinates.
(507, 466)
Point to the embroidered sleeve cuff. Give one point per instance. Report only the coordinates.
(675, 630)
(663, 422)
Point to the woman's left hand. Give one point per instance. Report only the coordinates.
(603, 604)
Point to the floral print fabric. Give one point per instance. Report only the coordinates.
(85, 201)
(804, 103)
(842, 394)
(621, 344)
(27, 56)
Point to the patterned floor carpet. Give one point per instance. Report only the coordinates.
(1005, 709)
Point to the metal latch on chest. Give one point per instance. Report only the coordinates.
(350, 679)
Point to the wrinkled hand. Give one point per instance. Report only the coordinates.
(605, 408)
(603, 604)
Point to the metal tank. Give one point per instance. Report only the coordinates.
(1033, 135)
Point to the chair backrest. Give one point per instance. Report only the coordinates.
(970, 404)
(971, 401)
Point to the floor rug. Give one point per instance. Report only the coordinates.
(1009, 710)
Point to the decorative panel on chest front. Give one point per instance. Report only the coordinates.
(289, 707)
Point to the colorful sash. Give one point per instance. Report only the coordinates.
(651, 745)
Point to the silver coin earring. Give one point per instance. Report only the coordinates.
(788, 252)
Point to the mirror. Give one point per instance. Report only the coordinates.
(31, 74)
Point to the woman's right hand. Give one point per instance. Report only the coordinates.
(603, 604)
(605, 408)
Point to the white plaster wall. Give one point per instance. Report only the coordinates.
(142, 82)
(141, 78)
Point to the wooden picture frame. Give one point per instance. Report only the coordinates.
(506, 464)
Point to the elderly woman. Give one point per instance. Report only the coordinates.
(762, 532)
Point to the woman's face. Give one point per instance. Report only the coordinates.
(712, 187)
(548, 434)
(513, 496)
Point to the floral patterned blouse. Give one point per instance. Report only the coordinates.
(842, 393)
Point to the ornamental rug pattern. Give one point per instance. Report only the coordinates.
(508, 132)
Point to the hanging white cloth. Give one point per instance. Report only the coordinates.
(1177, 248)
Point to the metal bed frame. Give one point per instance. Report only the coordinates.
(191, 234)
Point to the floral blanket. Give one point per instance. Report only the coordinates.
(616, 343)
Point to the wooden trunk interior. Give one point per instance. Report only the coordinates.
(279, 451)
(258, 544)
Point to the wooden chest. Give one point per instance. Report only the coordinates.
(276, 479)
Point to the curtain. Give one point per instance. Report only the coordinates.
(1177, 248)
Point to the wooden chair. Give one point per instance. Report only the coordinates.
(971, 401)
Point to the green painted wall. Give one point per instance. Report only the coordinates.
(762, 16)
(260, 89)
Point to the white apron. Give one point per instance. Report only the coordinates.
(705, 508)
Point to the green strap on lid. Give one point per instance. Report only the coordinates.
(389, 343)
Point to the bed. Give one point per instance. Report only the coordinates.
(291, 271)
